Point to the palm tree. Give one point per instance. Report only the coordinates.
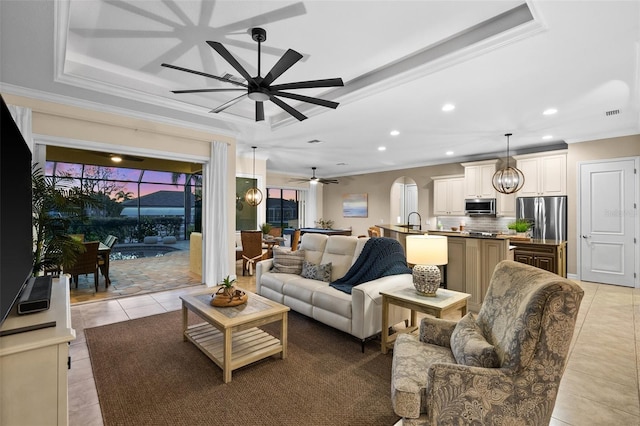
(55, 203)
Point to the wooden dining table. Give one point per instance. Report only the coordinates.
(270, 243)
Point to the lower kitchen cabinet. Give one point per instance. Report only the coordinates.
(544, 254)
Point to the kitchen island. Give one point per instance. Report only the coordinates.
(472, 260)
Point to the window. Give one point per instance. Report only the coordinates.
(134, 203)
(282, 207)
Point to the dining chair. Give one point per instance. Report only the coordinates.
(86, 263)
(252, 250)
(295, 240)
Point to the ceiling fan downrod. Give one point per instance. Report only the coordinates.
(259, 35)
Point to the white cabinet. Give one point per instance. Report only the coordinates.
(544, 174)
(33, 364)
(506, 205)
(478, 177)
(448, 195)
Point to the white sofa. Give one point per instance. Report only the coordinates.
(358, 313)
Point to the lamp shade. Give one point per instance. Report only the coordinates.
(427, 249)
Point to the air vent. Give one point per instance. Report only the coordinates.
(612, 112)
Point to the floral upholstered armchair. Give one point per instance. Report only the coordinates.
(501, 367)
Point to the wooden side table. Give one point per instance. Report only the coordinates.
(407, 297)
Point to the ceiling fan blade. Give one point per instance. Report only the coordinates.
(259, 111)
(287, 60)
(326, 181)
(204, 74)
(228, 104)
(206, 90)
(297, 114)
(218, 47)
(328, 82)
(317, 101)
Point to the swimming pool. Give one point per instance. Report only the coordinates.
(138, 251)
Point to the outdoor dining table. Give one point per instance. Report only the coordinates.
(104, 251)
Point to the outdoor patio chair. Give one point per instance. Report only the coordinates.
(86, 263)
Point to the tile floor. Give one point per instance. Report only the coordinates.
(600, 385)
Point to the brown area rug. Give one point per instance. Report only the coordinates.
(146, 374)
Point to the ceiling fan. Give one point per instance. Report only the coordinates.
(314, 180)
(260, 89)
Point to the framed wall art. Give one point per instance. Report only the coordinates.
(354, 205)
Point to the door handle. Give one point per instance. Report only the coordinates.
(585, 236)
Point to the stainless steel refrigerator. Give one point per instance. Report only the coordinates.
(548, 215)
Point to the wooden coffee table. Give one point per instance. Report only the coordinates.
(230, 336)
(407, 297)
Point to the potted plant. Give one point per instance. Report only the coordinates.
(520, 226)
(265, 228)
(55, 204)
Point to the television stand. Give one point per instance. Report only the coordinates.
(34, 364)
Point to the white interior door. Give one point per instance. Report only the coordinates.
(608, 222)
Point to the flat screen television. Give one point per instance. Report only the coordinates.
(16, 229)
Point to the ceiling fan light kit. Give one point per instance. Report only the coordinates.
(253, 196)
(508, 180)
(260, 89)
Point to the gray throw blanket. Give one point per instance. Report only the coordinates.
(380, 257)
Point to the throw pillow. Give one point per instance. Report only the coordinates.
(287, 261)
(316, 272)
(469, 346)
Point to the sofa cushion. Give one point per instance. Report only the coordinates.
(313, 246)
(469, 346)
(316, 272)
(339, 252)
(287, 261)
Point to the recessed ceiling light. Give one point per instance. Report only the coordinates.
(382, 148)
(449, 152)
(448, 107)
(394, 133)
(547, 137)
(550, 111)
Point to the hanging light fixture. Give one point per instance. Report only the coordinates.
(510, 179)
(253, 197)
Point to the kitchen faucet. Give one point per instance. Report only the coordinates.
(419, 221)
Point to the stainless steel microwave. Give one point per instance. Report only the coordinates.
(480, 206)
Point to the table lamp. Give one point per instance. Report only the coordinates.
(425, 252)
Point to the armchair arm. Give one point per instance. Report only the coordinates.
(455, 390)
(262, 267)
(437, 331)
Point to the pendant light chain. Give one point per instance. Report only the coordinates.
(253, 197)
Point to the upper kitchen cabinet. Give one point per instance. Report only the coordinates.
(448, 195)
(478, 177)
(544, 174)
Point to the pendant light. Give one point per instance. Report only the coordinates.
(510, 179)
(253, 197)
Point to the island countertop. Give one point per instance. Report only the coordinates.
(512, 238)
(402, 229)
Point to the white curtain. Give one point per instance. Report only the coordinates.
(22, 117)
(312, 206)
(216, 256)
